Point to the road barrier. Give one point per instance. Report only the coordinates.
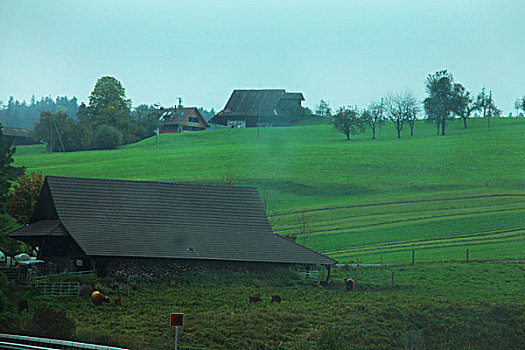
(33, 343)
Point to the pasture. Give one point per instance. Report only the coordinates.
(442, 306)
(372, 200)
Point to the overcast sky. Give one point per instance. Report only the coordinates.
(348, 52)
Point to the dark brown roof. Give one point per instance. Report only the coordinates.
(40, 228)
(257, 102)
(169, 220)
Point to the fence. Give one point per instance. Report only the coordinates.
(311, 274)
(58, 289)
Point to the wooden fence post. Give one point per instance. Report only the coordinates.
(413, 256)
(356, 276)
(468, 260)
(393, 278)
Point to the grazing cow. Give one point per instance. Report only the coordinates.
(276, 298)
(22, 305)
(255, 299)
(117, 301)
(98, 298)
(349, 284)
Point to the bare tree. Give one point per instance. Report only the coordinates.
(374, 116)
(464, 104)
(486, 103)
(412, 109)
(402, 107)
(323, 109)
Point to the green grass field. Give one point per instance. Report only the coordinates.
(443, 306)
(372, 200)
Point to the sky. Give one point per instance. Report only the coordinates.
(347, 52)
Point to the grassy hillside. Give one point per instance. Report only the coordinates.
(375, 200)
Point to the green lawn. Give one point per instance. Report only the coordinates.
(375, 200)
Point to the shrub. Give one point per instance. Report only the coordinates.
(49, 323)
(106, 137)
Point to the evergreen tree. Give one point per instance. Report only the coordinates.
(8, 173)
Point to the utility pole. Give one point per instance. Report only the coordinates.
(490, 110)
(258, 121)
(179, 107)
(50, 137)
(58, 134)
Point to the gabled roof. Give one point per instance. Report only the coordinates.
(257, 102)
(169, 115)
(167, 220)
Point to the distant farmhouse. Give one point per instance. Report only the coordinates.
(21, 136)
(248, 108)
(84, 223)
(189, 118)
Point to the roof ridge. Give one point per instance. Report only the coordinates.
(185, 184)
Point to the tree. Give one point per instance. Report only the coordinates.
(107, 137)
(108, 106)
(374, 116)
(485, 102)
(411, 109)
(348, 121)
(519, 103)
(402, 107)
(463, 104)
(62, 133)
(295, 113)
(25, 196)
(323, 109)
(146, 118)
(8, 173)
(439, 105)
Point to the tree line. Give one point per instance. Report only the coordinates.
(25, 115)
(446, 100)
(105, 122)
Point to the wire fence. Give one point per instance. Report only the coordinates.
(58, 289)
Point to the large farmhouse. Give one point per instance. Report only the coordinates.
(249, 108)
(84, 223)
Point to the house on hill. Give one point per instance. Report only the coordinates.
(248, 108)
(189, 118)
(83, 223)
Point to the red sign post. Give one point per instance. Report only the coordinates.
(176, 320)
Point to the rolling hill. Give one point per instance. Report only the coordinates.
(372, 200)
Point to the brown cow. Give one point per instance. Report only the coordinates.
(255, 299)
(23, 304)
(98, 298)
(276, 298)
(117, 301)
(349, 284)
